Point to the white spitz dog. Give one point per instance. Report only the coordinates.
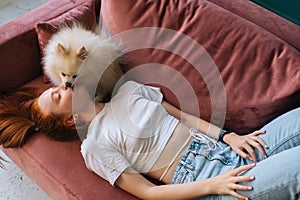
(77, 55)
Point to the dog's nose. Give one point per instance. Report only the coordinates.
(68, 84)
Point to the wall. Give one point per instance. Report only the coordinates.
(289, 9)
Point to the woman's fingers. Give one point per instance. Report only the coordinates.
(242, 187)
(240, 169)
(229, 182)
(246, 150)
(250, 151)
(245, 145)
(258, 146)
(258, 139)
(237, 179)
(242, 153)
(253, 141)
(236, 187)
(258, 132)
(237, 195)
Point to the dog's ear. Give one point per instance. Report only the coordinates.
(61, 50)
(82, 53)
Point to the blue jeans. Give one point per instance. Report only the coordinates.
(276, 177)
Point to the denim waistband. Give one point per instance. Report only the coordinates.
(202, 151)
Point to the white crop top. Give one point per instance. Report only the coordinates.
(131, 131)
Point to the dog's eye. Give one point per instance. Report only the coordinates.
(74, 76)
(63, 74)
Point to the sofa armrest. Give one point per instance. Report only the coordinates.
(59, 169)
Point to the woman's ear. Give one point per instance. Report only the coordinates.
(71, 120)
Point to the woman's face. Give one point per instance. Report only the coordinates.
(56, 100)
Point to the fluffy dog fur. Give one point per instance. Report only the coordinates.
(76, 55)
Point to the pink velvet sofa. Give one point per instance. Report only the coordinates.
(256, 53)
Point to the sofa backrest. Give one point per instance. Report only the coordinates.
(19, 54)
(210, 62)
(271, 22)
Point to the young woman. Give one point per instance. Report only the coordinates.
(137, 133)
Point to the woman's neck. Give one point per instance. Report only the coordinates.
(99, 107)
(91, 112)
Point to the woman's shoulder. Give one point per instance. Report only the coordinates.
(130, 85)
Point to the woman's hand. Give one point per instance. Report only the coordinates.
(225, 184)
(228, 183)
(244, 144)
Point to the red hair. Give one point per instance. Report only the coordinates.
(21, 117)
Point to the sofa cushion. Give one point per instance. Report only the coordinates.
(187, 47)
(83, 14)
(59, 169)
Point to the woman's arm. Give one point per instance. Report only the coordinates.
(226, 183)
(192, 121)
(242, 145)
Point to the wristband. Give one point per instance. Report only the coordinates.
(222, 133)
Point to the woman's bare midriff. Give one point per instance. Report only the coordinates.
(178, 139)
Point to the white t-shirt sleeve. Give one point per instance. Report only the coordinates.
(104, 160)
(149, 92)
